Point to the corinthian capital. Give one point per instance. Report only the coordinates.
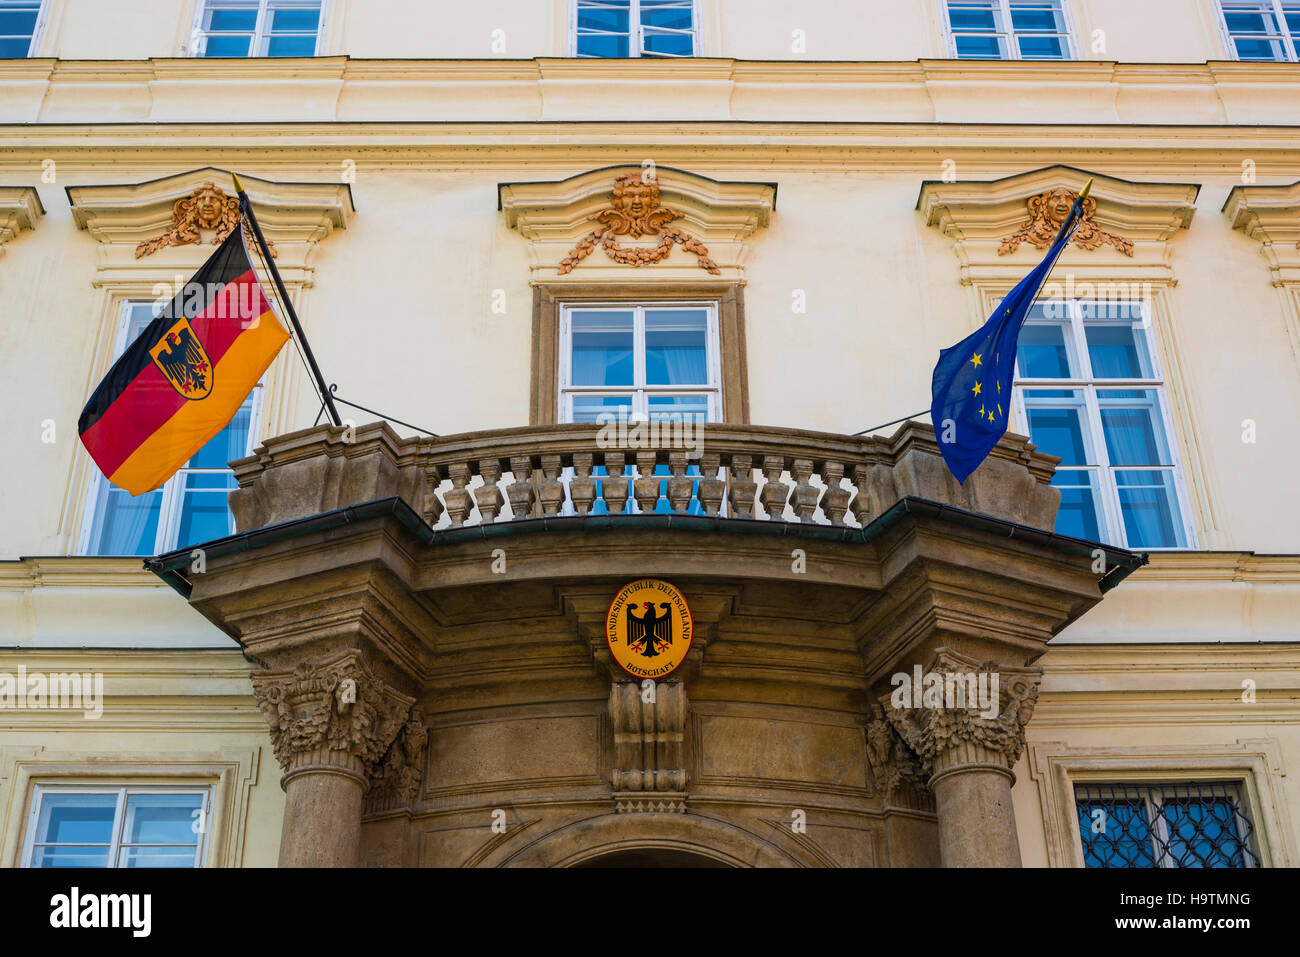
(895, 769)
(335, 712)
(965, 712)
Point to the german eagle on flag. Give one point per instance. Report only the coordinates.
(185, 377)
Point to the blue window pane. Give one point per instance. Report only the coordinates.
(205, 516)
(1077, 516)
(612, 16)
(1148, 503)
(1035, 19)
(76, 818)
(17, 22)
(161, 819)
(1293, 22)
(980, 48)
(291, 46)
(589, 408)
(14, 47)
(598, 45)
(668, 44)
(296, 19)
(675, 350)
(226, 46)
(1248, 49)
(1117, 351)
(1041, 48)
(602, 348)
(1042, 353)
(969, 16)
(666, 16)
(127, 525)
(70, 857)
(1115, 834)
(1246, 21)
(696, 406)
(1202, 833)
(1058, 432)
(233, 21)
(1133, 435)
(156, 857)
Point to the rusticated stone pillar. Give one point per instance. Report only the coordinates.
(967, 754)
(333, 725)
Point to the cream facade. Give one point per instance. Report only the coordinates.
(423, 176)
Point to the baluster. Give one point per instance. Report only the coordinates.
(487, 495)
(520, 491)
(835, 500)
(679, 486)
(432, 506)
(551, 490)
(741, 486)
(775, 492)
(646, 488)
(582, 487)
(712, 488)
(614, 483)
(804, 497)
(459, 501)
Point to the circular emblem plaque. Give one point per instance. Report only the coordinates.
(649, 628)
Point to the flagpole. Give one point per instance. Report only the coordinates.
(1076, 210)
(246, 207)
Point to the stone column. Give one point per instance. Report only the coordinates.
(967, 754)
(333, 725)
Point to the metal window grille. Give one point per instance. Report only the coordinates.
(1164, 825)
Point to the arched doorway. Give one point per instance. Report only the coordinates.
(651, 857)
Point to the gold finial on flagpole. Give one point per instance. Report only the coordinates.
(1083, 193)
(239, 187)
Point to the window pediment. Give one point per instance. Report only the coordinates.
(20, 207)
(648, 223)
(1270, 215)
(998, 226)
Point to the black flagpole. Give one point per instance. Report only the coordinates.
(246, 207)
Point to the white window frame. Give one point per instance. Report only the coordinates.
(257, 45)
(1004, 28)
(169, 510)
(636, 37)
(38, 28)
(1111, 516)
(1289, 50)
(119, 817)
(639, 390)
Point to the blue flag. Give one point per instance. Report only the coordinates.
(971, 389)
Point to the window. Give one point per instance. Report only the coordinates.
(257, 28)
(1183, 825)
(18, 23)
(619, 28)
(191, 505)
(1088, 389)
(643, 360)
(1262, 29)
(117, 827)
(1008, 29)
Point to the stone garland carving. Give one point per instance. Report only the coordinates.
(207, 208)
(897, 773)
(635, 211)
(930, 732)
(1048, 210)
(340, 704)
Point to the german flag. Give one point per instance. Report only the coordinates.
(186, 376)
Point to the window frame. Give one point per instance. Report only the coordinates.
(260, 38)
(1005, 28)
(170, 508)
(1110, 511)
(39, 791)
(38, 28)
(1290, 46)
(636, 37)
(639, 390)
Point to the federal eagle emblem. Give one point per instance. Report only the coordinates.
(180, 357)
(652, 633)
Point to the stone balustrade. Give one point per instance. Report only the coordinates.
(743, 472)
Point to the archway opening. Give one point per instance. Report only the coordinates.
(651, 857)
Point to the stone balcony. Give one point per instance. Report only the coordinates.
(459, 586)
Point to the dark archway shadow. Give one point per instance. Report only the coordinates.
(651, 857)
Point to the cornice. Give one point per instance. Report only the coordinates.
(20, 207)
(1270, 215)
(76, 572)
(1220, 566)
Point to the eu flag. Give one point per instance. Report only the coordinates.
(971, 389)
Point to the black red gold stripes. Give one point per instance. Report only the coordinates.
(184, 378)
